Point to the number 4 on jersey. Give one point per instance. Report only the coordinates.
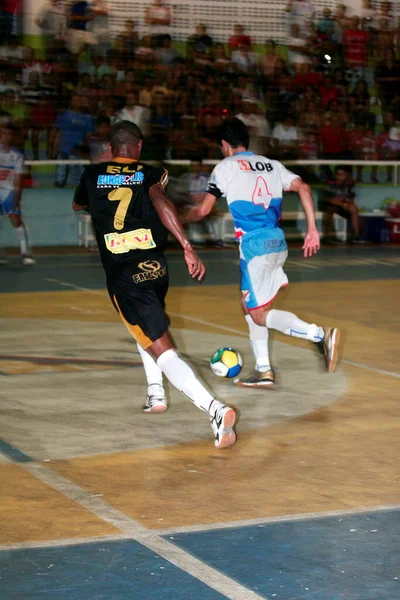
(261, 193)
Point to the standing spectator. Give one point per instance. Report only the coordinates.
(51, 21)
(238, 38)
(384, 14)
(383, 39)
(12, 51)
(368, 15)
(286, 138)
(70, 130)
(11, 14)
(158, 19)
(128, 40)
(166, 54)
(244, 60)
(299, 50)
(99, 26)
(301, 13)
(79, 16)
(355, 48)
(341, 23)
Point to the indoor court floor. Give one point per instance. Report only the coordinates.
(103, 502)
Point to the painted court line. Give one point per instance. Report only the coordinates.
(230, 329)
(133, 530)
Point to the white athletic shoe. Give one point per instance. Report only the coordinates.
(28, 261)
(222, 424)
(156, 402)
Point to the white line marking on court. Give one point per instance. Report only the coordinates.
(133, 530)
(231, 330)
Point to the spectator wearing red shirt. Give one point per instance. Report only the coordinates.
(355, 45)
(334, 138)
(328, 92)
(238, 38)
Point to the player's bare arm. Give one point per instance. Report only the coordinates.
(199, 212)
(311, 241)
(168, 215)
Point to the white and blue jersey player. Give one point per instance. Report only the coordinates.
(11, 175)
(253, 186)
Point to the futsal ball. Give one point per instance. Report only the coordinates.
(226, 362)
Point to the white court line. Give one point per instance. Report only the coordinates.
(133, 530)
(231, 330)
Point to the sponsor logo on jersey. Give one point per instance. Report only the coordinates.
(245, 165)
(138, 239)
(150, 270)
(120, 179)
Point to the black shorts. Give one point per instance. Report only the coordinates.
(138, 293)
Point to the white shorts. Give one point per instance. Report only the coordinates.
(262, 255)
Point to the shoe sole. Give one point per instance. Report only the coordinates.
(228, 437)
(335, 351)
(155, 409)
(256, 385)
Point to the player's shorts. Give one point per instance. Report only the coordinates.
(262, 255)
(7, 203)
(138, 293)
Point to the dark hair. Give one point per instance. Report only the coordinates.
(344, 168)
(103, 120)
(124, 133)
(233, 131)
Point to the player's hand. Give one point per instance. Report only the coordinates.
(195, 267)
(311, 243)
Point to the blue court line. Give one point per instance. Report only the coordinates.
(13, 453)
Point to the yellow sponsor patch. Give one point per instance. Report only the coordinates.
(118, 243)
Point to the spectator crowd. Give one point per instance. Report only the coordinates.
(331, 92)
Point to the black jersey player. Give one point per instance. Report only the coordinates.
(132, 217)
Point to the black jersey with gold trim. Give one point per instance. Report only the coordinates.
(126, 224)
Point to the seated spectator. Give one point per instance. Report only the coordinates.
(328, 92)
(184, 142)
(362, 144)
(7, 80)
(309, 120)
(340, 200)
(286, 138)
(70, 130)
(135, 113)
(309, 147)
(243, 60)
(166, 54)
(145, 53)
(257, 124)
(199, 42)
(31, 63)
(269, 59)
(387, 76)
(360, 105)
(12, 51)
(388, 143)
(99, 141)
(238, 39)
(334, 138)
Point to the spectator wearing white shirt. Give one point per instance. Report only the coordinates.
(286, 137)
(300, 12)
(257, 125)
(135, 113)
(52, 22)
(244, 59)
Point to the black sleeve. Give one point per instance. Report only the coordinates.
(156, 175)
(81, 196)
(214, 190)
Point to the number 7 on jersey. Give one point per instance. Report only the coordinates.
(124, 196)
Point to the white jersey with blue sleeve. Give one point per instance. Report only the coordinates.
(11, 164)
(253, 186)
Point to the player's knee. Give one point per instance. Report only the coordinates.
(259, 316)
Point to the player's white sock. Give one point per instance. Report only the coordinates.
(23, 239)
(153, 372)
(259, 343)
(182, 377)
(289, 324)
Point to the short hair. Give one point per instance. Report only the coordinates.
(125, 132)
(233, 131)
(103, 120)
